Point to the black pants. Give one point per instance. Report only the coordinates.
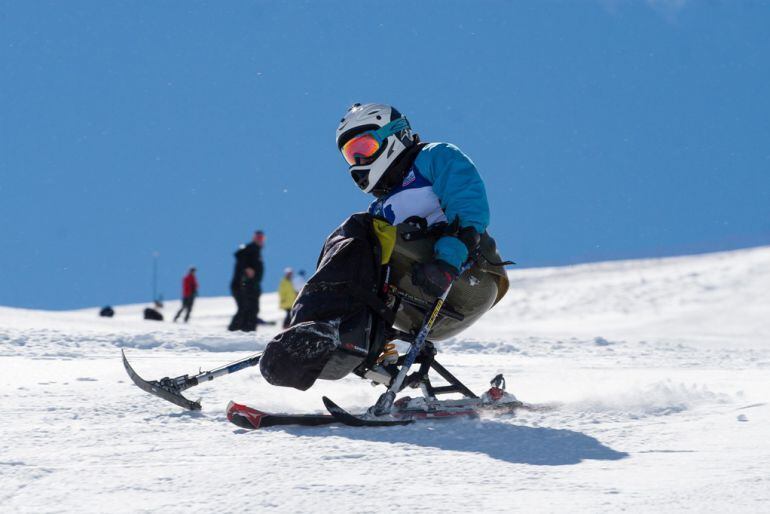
(187, 305)
(287, 319)
(235, 323)
(249, 321)
(247, 300)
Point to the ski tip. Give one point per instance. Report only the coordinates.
(126, 364)
(156, 389)
(330, 405)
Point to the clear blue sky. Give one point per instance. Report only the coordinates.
(604, 130)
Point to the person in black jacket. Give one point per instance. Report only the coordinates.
(245, 284)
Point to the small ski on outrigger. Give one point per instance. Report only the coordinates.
(170, 389)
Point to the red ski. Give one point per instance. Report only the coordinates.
(249, 418)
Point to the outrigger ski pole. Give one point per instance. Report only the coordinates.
(170, 389)
(384, 403)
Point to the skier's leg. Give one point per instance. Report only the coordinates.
(287, 319)
(188, 305)
(257, 294)
(249, 318)
(237, 322)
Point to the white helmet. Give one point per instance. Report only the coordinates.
(388, 135)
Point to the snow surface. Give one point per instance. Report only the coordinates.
(660, 369)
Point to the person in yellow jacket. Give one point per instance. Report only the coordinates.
(287, 294)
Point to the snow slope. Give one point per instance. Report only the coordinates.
(660, 369)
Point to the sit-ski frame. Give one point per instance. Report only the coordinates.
(170, 389)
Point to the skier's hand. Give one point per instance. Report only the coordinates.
(434, 277)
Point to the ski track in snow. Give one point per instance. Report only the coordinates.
(658, 372)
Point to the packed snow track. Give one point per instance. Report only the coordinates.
(660, 369)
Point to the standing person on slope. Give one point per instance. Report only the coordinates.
(189, 292)
(433, 181)
(246, 284)
(287, 294)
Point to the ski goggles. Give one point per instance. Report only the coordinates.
(367, 144)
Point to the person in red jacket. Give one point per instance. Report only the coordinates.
(189, 292)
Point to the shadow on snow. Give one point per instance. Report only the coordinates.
(502, 441)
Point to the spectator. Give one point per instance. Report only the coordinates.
(189, 292)
(286, 295)
(245, 284)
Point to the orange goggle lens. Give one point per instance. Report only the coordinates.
(360, 147)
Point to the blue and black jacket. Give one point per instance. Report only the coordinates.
(442, 185)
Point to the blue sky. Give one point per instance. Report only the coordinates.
(603, 130)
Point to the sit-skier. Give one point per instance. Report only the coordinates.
(346, 314)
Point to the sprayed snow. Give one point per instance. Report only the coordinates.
(658, 370)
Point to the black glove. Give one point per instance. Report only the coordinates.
(434, 277)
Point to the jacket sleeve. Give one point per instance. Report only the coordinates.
(462, 195)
